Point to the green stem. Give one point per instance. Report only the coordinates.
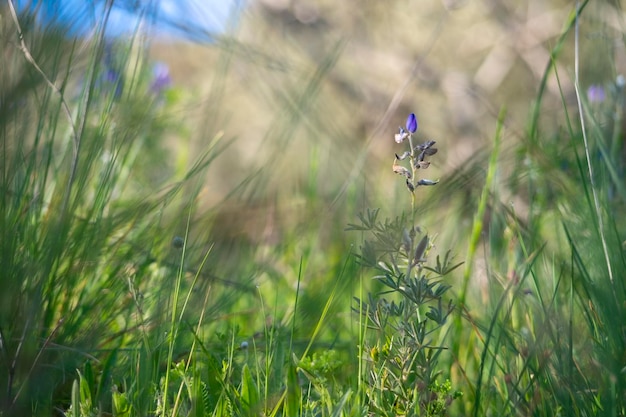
(413, 173)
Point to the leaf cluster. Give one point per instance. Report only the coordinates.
(406, 318)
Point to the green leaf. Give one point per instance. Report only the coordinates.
(75, 399)
(292, 402)
(249, 393)
(105, 378)
(342, 403)
(121, 408)
(85, 393)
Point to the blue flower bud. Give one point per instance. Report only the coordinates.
(411, 123)
(178, 242)
(427, 182)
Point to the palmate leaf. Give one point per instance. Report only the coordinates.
(438, 314)
(445, 267)
(389, 281)
(368, 256)
(368, 221)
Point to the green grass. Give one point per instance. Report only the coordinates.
(124, 293)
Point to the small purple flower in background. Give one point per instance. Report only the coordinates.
(596, 94)
(411, 123)
(112, 75)
(111, 78)
(161, 79)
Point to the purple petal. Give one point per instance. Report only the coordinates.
(401, 135)
(595, 94)
(160, 77)
(411, 123)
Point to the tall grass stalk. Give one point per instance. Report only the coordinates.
(81, 233)
(544, 332)
(583, 130)
(177, 319)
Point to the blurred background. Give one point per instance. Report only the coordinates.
(222, 148)
(314, 91)
(453, 63)
(307, 96)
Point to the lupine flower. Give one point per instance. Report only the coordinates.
(417, 156)
(595, 94)
(160, 77)
(411, 123)
(401, 135)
